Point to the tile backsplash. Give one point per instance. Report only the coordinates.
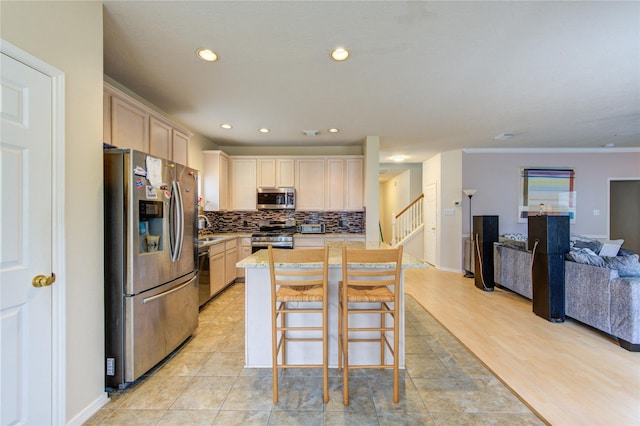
(247, 221)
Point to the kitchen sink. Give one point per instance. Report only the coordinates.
(201, 240)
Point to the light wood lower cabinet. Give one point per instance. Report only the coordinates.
(230, 260)
(216, 268)
(222, 264)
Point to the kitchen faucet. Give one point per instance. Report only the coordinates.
(201, 223)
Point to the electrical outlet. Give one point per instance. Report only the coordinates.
(596, 212)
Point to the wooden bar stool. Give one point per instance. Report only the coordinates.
(370, 286)
(299, 285)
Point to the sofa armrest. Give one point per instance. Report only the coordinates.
(588, 294)
(625, 309)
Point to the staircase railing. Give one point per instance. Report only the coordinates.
(407, 221)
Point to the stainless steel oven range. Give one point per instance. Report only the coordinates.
(277, 233)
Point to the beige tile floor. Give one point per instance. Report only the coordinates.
(204, 383)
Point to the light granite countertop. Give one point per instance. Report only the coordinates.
(259, 259)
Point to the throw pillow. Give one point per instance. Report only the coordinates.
(593, 245)
(627, 266)
(610, 248)
(585, 256)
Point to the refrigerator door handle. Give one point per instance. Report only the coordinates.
(176, 221)
(168, 292)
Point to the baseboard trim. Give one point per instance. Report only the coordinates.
(89, 411)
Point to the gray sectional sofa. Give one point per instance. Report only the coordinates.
(594, 295)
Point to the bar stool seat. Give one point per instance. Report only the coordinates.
(299, 286)
(370, 286)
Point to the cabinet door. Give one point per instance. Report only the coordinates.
(310, 182)
(216, 269)
(335, 184)
(160, 140)
(129, 126)
(243, 184)
(230, 260)
(285, 173)
(354, 184)
(180, 147)
(214, 180)
(266, 173)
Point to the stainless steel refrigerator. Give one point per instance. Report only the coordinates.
(151, 293)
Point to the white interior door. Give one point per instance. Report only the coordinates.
(430, 230)
(26, 244)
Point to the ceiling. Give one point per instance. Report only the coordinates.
(425, 77)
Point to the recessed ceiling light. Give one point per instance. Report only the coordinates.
(333, 130)
(399, 158)
(504, 136)
(339, 54)
(226, 126)
(264, 130)
(207, 54)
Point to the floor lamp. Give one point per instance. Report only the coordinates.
(469, 193)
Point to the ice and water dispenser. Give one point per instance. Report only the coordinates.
(150, 226)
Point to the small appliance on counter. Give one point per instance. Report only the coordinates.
(312, 228)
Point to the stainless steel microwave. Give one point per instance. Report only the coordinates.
(276, 198)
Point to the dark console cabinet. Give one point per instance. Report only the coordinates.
(548, 239)
(485, 233)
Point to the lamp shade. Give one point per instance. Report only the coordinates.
(469, 192)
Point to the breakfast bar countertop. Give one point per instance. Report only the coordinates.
(259, 259)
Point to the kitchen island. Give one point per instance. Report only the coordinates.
(258, 312)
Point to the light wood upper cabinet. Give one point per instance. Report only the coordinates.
(310, 184)
(285, 173)
(345, 184)
(354, 184)
(334, 196)
(243, 183)
(127, 123)
(180, 145)
(129, 126)
(215, 180)
(160, 139)
(276, 172)
(266, 172)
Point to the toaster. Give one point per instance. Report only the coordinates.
(312, 228)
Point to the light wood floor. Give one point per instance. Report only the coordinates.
(568, 373)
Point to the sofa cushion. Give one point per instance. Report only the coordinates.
(585, 256)
(627, 266)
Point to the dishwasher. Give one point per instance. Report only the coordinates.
(204, 282)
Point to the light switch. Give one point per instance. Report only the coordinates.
(596, 212)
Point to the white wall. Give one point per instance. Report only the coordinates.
(394, 196)
(68, 36)
(450, 214)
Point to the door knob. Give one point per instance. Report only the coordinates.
(43, 280)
